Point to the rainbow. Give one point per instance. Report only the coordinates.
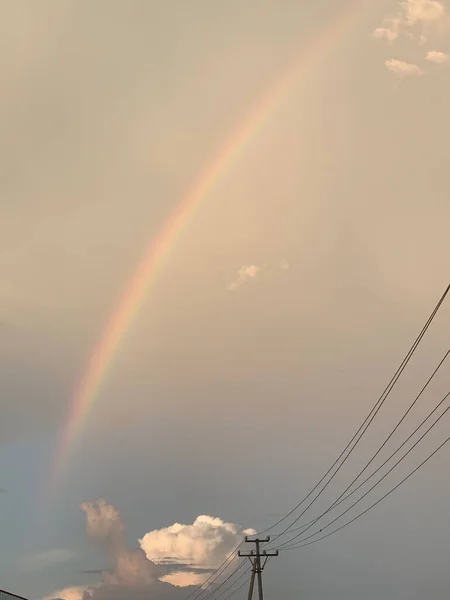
(103, 354)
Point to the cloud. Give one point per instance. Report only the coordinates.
(160, 591)
(384, 32)
(403, 69)
(391, 30)
(49, 558)
(244, 275)
(415, 17)
(69, 593)
(129, 566)
(184, 578)
(206, 543)
(250, 273)
(166, 563)
(422, 11)
(437, 57)
(103, 523)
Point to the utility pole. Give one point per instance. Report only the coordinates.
(257, 566)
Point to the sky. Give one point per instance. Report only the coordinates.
(276, 318)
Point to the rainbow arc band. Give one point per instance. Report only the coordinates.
(103, 354)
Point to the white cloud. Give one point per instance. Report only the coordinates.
(250, 273)
(403, 69)
(244, 275)
(49, 558)
(437, 57)
(206, 543)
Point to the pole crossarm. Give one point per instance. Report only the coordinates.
(255, 557)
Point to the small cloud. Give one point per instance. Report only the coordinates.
(385, 33)
(244, 275)
(391, 30)
(69, 593)
(424, 11)
(46, 559)
(183, 578)
(93, 571)
(403, 69)
(436, 57)
(250, 273)
(422, 39)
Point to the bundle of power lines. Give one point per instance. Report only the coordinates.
(231, 576)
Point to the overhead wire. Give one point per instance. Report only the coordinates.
(378, 501)
(344, 496)
(243, 574)
(363, 427)
(378, 482)
(216, 589)
(200, 590)
(237, 589)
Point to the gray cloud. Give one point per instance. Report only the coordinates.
(105, 528)
(29, 372)
(48, 558)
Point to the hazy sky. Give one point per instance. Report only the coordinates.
(278, 317)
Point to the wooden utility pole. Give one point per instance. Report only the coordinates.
(257, 566)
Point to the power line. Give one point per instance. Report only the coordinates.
(10, 595)
(200, 590)
(237, 589)
(364, 426)
(377, 483)
(211, 593)
(243, 574)
(344, 496)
